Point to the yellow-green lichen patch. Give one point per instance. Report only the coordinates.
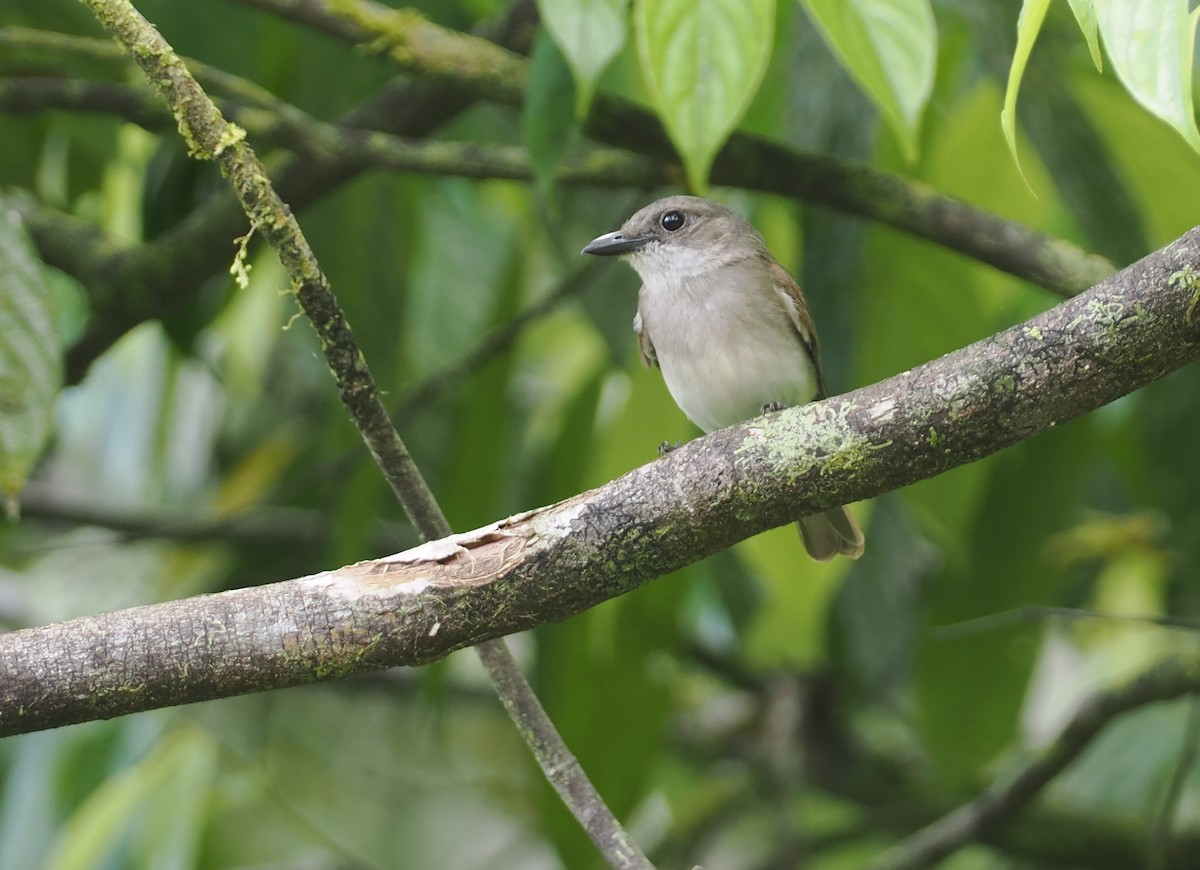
(240, 268)
(1108, 313)
(838, 450)
(1188, 278)
(343, 661)
(231, 135)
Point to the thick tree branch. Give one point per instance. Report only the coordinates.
(554, 562)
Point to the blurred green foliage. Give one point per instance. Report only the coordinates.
(754, 710)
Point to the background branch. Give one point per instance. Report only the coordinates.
(198, 247)
(494, 343)
(746, 161)
(261, 526)
(1012, 792)
(209, 136)
(1163, 844)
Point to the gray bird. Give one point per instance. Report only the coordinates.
(727, 325)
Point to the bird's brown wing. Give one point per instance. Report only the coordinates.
(645, 346)
(792, 300)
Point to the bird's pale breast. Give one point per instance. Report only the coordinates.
(725, 352)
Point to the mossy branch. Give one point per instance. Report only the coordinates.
(154, 279)
(210, 136)
(285, 126)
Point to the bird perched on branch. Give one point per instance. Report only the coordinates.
(727, 325)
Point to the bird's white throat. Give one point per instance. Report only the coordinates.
(673, 265)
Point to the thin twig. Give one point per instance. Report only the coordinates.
(495, 342)
(1038, 613)
(261, 526)
(1159, 851)
(1010, 794)
(209, 135)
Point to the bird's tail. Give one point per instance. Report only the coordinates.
(832, 533)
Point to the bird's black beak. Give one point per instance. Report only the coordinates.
(615, 243)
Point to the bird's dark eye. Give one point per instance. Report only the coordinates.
(672, 221)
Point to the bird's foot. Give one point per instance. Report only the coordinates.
(666, 447)
(771, 406)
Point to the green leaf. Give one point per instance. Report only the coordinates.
(546, 120)
(975, 683)
(154, 808)
(600, 661)
(703, 61)
(877, 613)
(1029, 23)
(1079, 156)
(590, 33)
(890, 48)
(1085, 14)
(1150, 44)
(30, 359)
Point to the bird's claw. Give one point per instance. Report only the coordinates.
(771, 406)
(666, 447)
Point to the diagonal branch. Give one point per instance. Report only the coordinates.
(419, 396)
(210, 136)
(1005, 798)
(552, 563)
(129, 287)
